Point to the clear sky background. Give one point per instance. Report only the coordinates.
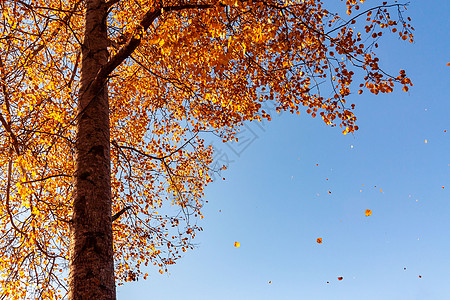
(275, 200)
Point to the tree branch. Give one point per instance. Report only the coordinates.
(65, 20)
(8, 188)
(135, 40)
(111, 2)
(117, 215)
(162, 158)
(45, 178)
(365, 12)
(15, 142)
(3, 83)
(74, 71)
(135, 150)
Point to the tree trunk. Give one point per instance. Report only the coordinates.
(91, 261)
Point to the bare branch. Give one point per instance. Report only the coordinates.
(363, 13)
(117, 215)
(15, 142)
(8, 188)
(45, 178)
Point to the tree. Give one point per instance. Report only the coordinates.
(104, 106)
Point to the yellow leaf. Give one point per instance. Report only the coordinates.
(368, 212)
(237, 244)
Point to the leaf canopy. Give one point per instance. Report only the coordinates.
(177, 70)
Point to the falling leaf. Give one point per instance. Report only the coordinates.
(328, 282)
(329, 192)
(237, 244)
(448, 64)
(270, 281)
(368, 212)
(442, 186)
(426, 141)
(351, 146)
(340, 278)
(420, 276)
(319, 240)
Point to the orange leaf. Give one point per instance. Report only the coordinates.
(237, 244)
(319, 240)
(368, 212)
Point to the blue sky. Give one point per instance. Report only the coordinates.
(275, 198)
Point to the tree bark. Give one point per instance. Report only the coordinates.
(91, 260)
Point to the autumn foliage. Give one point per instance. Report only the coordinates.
(176, 71)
